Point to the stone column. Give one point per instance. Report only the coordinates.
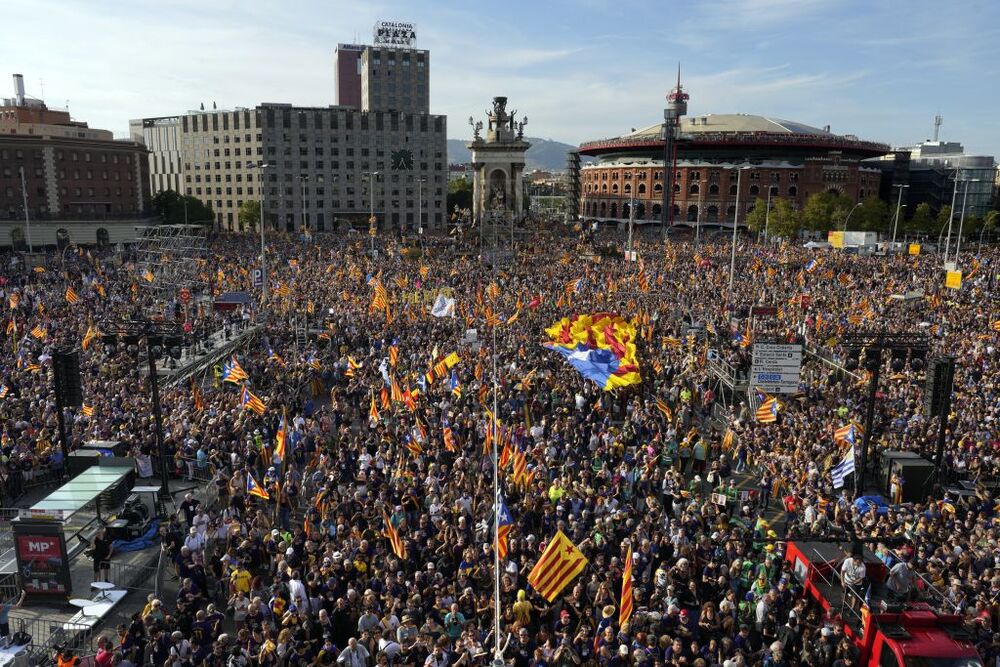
(516, 173)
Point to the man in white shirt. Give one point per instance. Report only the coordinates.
(853, 571)
(355, 655)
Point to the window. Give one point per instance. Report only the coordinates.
(754, 190)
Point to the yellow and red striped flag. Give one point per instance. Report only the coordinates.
(662, 406)
(398, 546)
(88, 410)
(373, 410)
(89, 336)
(560, 563)
(39, 333)
(626, 600)
(71, 295)
(520, 465)
(449, 439)
(727, 440)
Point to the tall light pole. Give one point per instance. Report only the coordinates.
(961, 223)
(420, 204)
(848, 218)
(303, 179)
(951, 216)
(736, 221)
(631, 218)
(895, 222)
(767, 212)
(27, 221)
(372, 178)
(263, 261)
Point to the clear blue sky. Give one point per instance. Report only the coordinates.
(579, 70)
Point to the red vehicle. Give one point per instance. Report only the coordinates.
(885, 633)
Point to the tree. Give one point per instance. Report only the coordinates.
(170, 207)
(871, 216)
(757, 218)
(824, 210)
(249, 214)
(784, 221)
(459, 194)
(922, 220)
(943, 216)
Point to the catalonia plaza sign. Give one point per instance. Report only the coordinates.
(394, 33)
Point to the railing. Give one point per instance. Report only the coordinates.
(48, 634)
(133, 577)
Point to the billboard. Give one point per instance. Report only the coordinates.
(42, 561)
(395, 34)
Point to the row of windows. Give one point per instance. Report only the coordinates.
(88, 175)
(335, 204)
(713, 176)
(694, 189)
(19, 154)
(64, 192)
(326, 120)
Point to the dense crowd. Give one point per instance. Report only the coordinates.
(675, 470)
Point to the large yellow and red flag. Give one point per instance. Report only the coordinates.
(560, 563)
(626, 600)
(398, 546)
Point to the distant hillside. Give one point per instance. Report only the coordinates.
(544, 153)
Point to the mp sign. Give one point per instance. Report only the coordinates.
(775, 368)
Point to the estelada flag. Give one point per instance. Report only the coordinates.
(255, 489)
(626, 598)
(397, 544)
(560, 563)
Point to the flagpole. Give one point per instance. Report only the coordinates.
(497, 651)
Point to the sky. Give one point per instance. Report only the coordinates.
(579, 70)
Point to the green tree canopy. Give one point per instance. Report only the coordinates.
(784, 221)
(249, 214)
(872, 216)
(824, 211)
(459, 194)
(922, 220)
(169, 205)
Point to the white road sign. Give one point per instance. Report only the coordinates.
(775, 368)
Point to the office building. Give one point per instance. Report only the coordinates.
(162, 137)
(80, 184)
(395, 79)
(347, 68)
(930, 170)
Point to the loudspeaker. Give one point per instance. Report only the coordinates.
(938, 386)
(66, 372)
(916, 472)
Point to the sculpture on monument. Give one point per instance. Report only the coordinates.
(498, 164)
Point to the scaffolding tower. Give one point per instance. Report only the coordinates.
(170, 254)
(496, 236)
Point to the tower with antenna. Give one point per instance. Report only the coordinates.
(937, 125)
(676, 107)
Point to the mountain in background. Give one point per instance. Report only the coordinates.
(544, 153)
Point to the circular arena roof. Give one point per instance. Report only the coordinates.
(720, 130)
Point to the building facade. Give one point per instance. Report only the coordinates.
(395, 80)
(321, 163)
(219, 152)
(80, 185)
(162, 136)
(791, 160)
(347, 68)
(940, 173)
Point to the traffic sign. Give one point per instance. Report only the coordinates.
(258, 277)
(776, 368)
(185, 295)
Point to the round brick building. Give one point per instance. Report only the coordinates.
(793, 159)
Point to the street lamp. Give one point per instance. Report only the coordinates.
(631, 218)
(736, 220)
(895, 222)
(767, 212)
(303, 179)
(848, 218)
(263, 262)
(961, 223)
(372, 177)
(951, 216)
(420, 204)
(27, 221)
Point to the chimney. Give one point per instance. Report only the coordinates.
(19, 90)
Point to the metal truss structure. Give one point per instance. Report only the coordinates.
(171, 254)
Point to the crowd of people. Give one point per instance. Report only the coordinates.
(385, 432)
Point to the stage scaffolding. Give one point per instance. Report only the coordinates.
(171, 254)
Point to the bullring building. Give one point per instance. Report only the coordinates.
(791, 159)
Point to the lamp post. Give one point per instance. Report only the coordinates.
(895, 222)
(631, 217)
(27, 221)
(420, 204)
(303, 179)
(263, 261)
(157, 337)
(372, 178)
(961, 222)
(736, 220)
(767, 213)
(951, 216)
(848, 218)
